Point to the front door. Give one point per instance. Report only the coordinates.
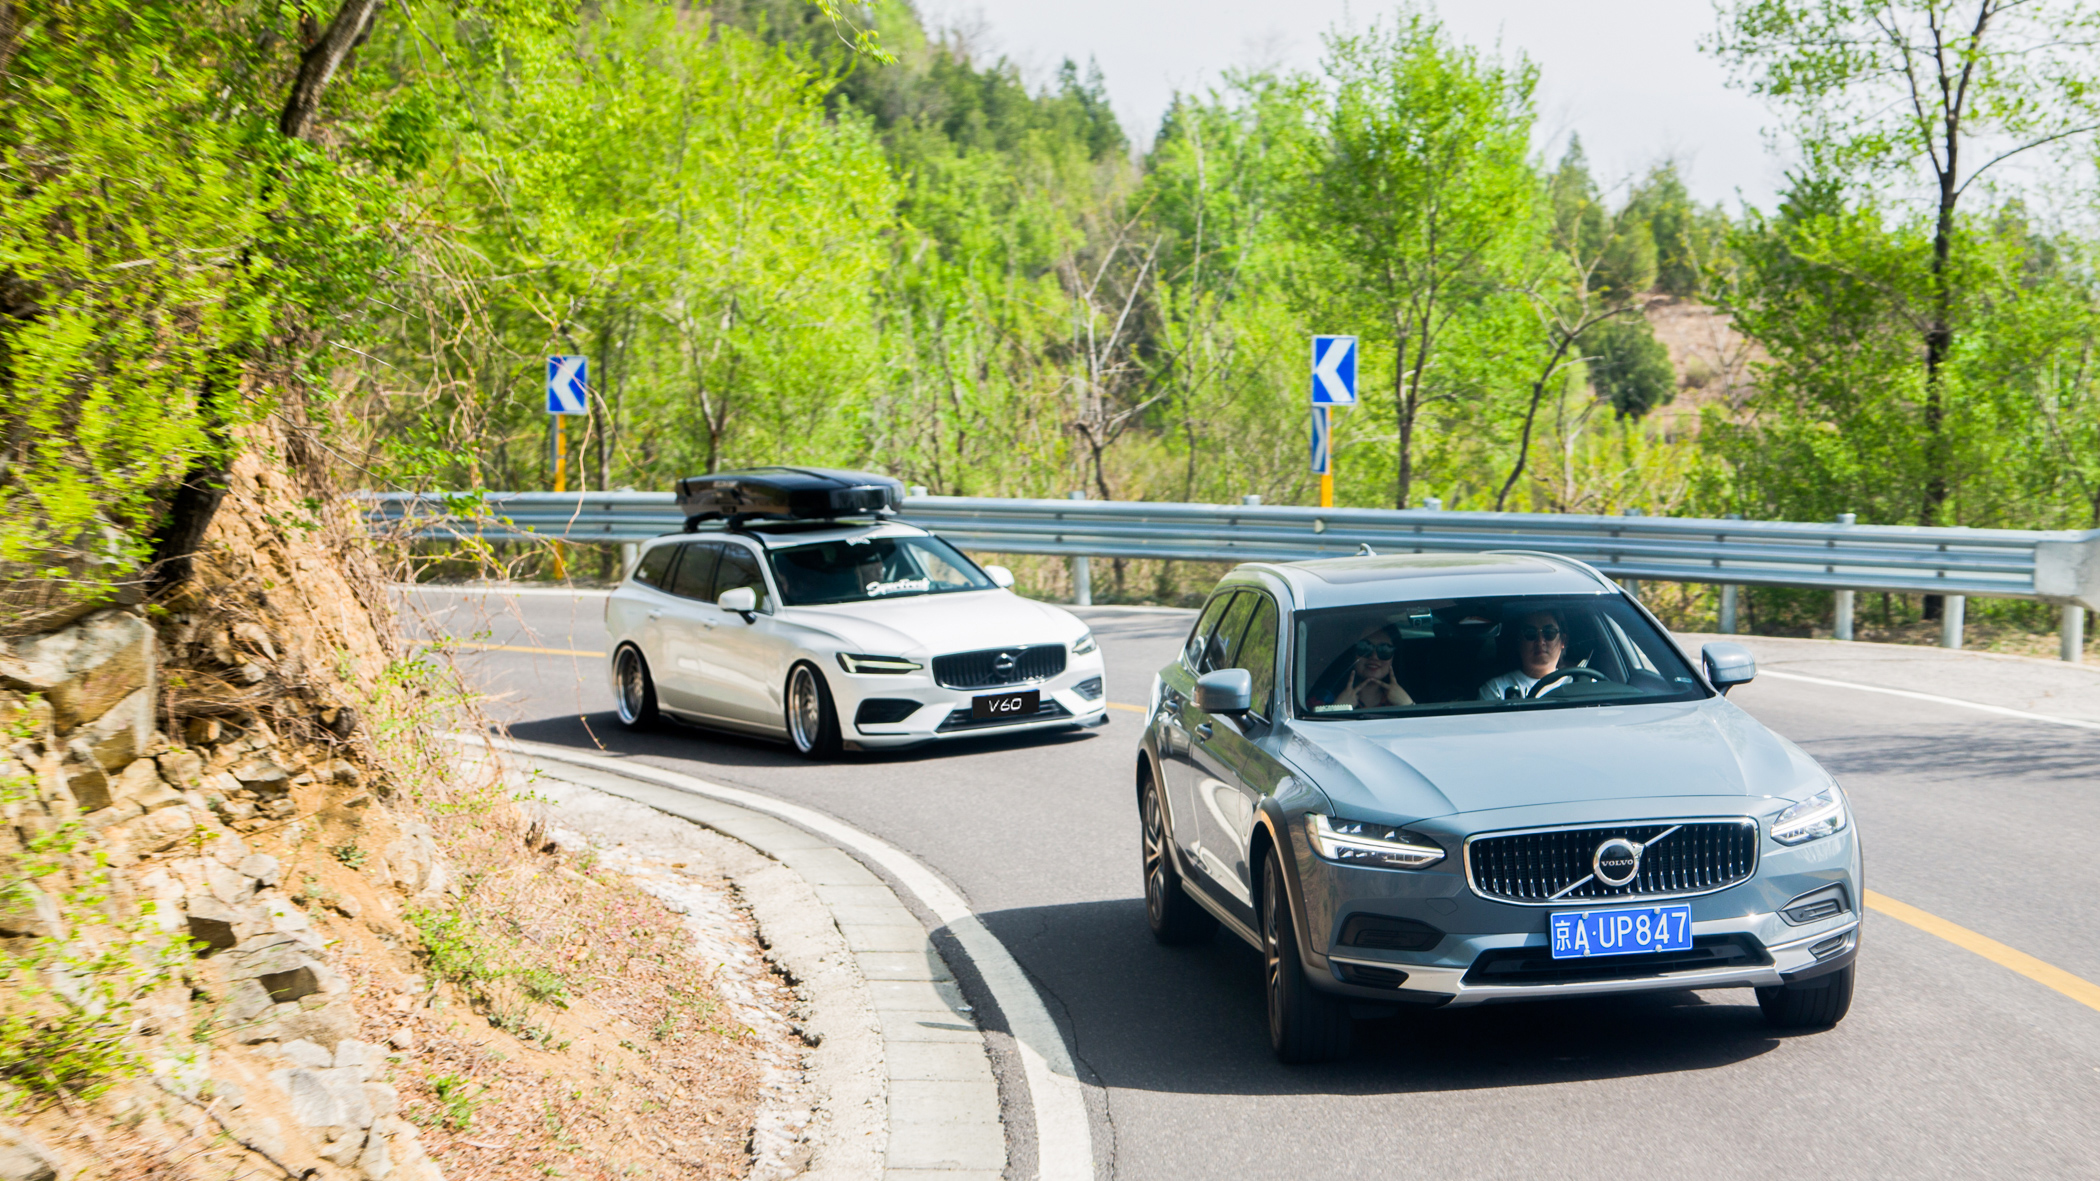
(1247, 774)
(1214, 741)
(1178, 770)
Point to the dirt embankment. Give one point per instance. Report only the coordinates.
(261, 921)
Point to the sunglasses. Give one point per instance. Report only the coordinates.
(1367, 648)
(1530, 634)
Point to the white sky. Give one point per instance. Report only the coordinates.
(1626, 75)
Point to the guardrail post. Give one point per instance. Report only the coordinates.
(1434, 504)
(1841, 627)
(1082, 571)
(1727, 608)
(916, 490)
(630, 552)
(2074, 633)
(1950, 620)
(1251, 498)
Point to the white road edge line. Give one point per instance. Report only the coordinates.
(2000, 710)
(1063, 1134)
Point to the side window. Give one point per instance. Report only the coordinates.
(1192, 652)
(1257, 653)
(655, 566)
(695, 576)
(1225, 643)
(739, 568)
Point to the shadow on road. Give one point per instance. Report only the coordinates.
(602, 733)
(1190, 1020)
(1968, 756)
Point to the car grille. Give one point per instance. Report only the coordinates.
(961, 720)
(986, 669)
(1534, 867)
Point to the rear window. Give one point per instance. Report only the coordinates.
(1467, 655)
(655, 566)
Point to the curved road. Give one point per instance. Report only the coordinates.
(1950, 1065)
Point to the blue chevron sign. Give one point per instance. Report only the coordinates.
(567, 379)
(1322, 451)
(1334, 370)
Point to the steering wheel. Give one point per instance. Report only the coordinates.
(1552, 680)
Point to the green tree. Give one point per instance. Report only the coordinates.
(1630, 368)
(1901, 90)
(1418, 202)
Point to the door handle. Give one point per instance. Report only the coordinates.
(1203, 732)
(655, 614)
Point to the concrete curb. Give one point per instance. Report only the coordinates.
(943, 1103)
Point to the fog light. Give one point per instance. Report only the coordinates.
(1816, 905)
(1389, 934)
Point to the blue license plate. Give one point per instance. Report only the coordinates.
(1579, 934)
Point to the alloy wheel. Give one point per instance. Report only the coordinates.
(1155, 861)
(1272, 952)
(805, 709)
(632, 688)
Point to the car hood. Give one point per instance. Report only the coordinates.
(930, 625)
(1415, 769)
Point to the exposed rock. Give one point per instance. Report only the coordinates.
(231, 1095)
(384, 1099)
(87, 783)
(120, 735)
(261, 774)
(347, 1149)
(363, 1057)
(327, 1025)
(341, 721)
(215, 924)
(246, 1002)
(376, 1163)
(82, 670)
(229, 886)
(203, 731)
(403, 1037)
(263, 1132)
(412, 860)
(290, 986)
(260, 868)
(28, 910)
(347, 1084)
(22, 1158)
(311, 1101)
(301, 1052)
(181, 767)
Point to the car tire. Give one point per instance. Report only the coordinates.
(812, 720)
(1305, 1024)
(1176, 919)
(1820, 1005)
(634, 690)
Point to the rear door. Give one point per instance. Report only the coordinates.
(746, 661)
(689, 616)
(1177, 766)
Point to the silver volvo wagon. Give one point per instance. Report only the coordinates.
(1448, 780)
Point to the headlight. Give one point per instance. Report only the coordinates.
(1817, 816)
(1379, 846)
(855, 663)
(1084, 644)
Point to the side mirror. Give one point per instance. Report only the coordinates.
(1226, 691)
(742, 600)
(1728, 665)
(1001, 577)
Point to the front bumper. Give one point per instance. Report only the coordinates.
(1757, 947)
(942, 713)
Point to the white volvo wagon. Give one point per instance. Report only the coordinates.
(774, 615)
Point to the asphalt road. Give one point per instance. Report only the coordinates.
(1950, 1065)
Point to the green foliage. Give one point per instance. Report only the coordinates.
(1630, 367)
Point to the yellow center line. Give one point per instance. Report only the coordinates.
(2079, 989)
(1136, 709)
(507, 648)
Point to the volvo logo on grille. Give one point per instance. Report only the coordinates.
(1618, 861)
(1004, 663)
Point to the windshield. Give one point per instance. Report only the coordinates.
(1464, 655)
(857, 569)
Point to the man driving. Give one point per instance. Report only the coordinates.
(1362, 677)
(1540, 639)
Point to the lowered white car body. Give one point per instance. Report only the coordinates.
(842, 634)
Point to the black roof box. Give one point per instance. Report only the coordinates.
(791, 492)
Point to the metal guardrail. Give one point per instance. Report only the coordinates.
(2060, 567)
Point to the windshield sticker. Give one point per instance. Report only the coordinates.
(876, 589)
